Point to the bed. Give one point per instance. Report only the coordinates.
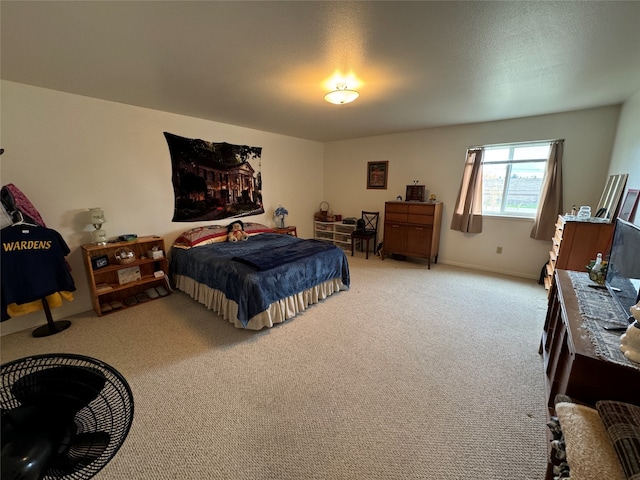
(259, 282)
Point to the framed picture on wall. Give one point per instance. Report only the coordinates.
(629, 205)
(377, 173)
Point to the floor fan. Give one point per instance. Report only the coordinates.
(64, 416)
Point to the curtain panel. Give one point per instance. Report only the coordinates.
(551, 195)
(467, 216)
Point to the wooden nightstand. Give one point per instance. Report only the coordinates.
(287, 231)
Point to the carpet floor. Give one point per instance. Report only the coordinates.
(411, 374)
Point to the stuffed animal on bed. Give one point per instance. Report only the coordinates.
(236, 232)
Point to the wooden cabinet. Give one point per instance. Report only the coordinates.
(105, 281)
(575, 244)
(571, 364)
(412, 229)
(337, 233)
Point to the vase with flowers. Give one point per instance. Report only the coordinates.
(279, 214)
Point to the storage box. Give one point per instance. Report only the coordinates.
(127, 275)
(155, 254)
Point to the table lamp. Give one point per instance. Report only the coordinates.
(99, 236)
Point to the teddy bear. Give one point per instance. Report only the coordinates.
(236, 232)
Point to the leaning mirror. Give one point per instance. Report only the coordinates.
(610, 199)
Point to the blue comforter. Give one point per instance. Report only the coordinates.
(253, 290)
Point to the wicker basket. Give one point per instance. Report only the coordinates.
(124, 255)
(321, 215)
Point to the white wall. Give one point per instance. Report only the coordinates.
(436, 158)
(68, 153)
(626, 151)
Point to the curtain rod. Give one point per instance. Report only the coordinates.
(491, 145)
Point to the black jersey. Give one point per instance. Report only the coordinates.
(33, 263)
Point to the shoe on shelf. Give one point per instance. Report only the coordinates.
(162, 291)
(130, 301)
(105, 307)
(141, 297)
(116, 304)
(151, 293)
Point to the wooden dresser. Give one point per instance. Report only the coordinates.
(575, 244)
(571, 364)
(413, 229)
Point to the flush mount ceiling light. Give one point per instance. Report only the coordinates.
(341, 95)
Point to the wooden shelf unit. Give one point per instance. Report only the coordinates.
(109, 274)
(412, 229)
(575, 244)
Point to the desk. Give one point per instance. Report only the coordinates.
(287, 231)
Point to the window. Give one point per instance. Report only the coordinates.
(512, 178)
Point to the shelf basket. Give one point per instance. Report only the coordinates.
(124, 256)
(321, 215)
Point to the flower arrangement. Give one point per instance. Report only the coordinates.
(280, 213)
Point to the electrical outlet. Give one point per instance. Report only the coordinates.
(498, 249)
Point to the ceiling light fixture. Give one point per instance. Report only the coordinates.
(341, 95)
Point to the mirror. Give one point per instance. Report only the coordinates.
(610, 199)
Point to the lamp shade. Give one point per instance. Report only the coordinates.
(341, 95)
(97, 216)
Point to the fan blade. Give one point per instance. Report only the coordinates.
(84, 449)
(64, 389)
(28, 443)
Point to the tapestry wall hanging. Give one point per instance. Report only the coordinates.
(212, 181)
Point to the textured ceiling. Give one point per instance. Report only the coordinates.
(267, 65)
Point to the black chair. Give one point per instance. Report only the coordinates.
(366, 230)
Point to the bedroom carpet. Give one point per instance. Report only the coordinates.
(412, 374)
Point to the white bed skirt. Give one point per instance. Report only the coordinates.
(276, 313)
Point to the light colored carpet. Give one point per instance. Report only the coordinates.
(412, 374)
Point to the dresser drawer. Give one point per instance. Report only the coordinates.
(396, 208)
(420, 219)
(395, 217)
(421, 208)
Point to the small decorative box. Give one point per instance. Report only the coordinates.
(155, 254)
(415, 193)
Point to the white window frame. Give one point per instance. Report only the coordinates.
(510, 162)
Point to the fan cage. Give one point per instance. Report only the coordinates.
(111, 411)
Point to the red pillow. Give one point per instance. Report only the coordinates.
(214, 233)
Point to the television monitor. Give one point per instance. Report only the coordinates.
(623, 270)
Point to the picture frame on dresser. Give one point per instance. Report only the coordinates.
(377, 173)
(415, 193)
(629, 205)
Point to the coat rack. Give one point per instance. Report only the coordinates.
(52, 327)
